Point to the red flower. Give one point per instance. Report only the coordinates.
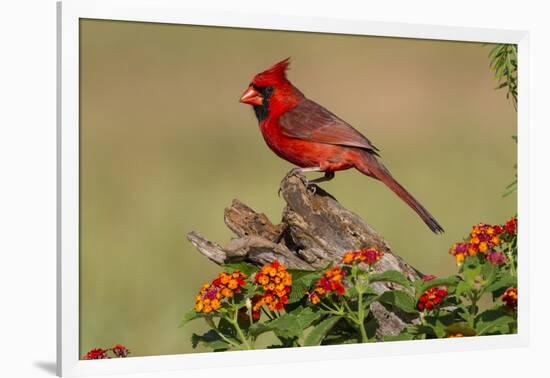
(430, 298)
(96, 354)
(366, 255)
(512, 226)
(510, 297)
(332, 281)
(120, 350)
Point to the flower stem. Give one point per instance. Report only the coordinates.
(361, 318)
(240, 333)
(222, 336)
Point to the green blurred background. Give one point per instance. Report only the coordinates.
(166, 146)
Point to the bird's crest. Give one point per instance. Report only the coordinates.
(273, 75)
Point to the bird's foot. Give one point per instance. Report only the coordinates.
(311, 187)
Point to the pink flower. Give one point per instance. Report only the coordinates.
(496, 258)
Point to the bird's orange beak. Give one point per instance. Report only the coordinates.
(252, 97)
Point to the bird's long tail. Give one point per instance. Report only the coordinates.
(369, 165)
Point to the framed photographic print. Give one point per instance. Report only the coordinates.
(237, 188)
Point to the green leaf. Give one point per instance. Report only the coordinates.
(256, 329)
(371, 327)
(320, 331)
(490, 320)
(439, 330)
(189, 316)
(460, 327)
(489, 272)
(404, 336)
(422, 329)
(301, 282)
(444, 281)
(242, 266)
(463, 312)
(286, 325)
(500, 284)
(305, 316)
(227, 328)
(293, 324)
(471, 269)
(390, 276)
(369, 298)
(399, 299)
(462, 288)
(210, 339)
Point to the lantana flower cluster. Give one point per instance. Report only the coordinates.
(96, 354)
(331, 282)
(511, 226)
(431, 298)
(224, 286)
(119, 351)
(510, 297)
(484, 238)
(366, 255)
(277, 283)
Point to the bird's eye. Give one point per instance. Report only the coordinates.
(268, 90)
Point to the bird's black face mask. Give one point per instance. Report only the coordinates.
(262, 111)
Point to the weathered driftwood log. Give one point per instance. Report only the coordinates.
(315, 230)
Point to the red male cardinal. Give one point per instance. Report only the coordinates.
(311, 137)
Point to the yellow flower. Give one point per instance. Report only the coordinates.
(215, 304)
(483, 247)
(225, 279)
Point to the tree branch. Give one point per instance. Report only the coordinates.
(315, 230)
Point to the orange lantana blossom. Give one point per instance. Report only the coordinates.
(276, 282)
(211, 295)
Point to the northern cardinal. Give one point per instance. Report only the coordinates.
(306, 134)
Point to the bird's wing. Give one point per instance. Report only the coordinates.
(310, 121)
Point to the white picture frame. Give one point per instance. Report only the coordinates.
(69, 14)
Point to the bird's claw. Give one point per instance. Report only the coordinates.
(292, 172)
(312, 188)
